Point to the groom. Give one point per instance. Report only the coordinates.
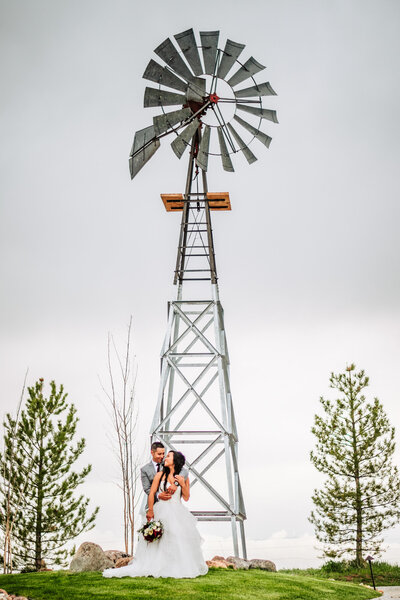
(155, 465)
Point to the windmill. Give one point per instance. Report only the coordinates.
(218, 101)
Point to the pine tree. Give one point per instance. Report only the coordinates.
(355, 445)
(37, 463)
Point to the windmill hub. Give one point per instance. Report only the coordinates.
(214, 98)
(203, 94)
(218, 102)
(221, 109)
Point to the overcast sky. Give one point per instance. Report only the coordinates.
(308, 259)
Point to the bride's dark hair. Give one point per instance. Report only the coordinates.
(179, 461)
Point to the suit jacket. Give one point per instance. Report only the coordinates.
(147, 474)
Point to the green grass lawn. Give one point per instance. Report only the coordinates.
(384, 573)
(218, 584)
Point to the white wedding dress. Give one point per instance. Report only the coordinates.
(176, 554)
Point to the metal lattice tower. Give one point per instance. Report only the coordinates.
(194, 407)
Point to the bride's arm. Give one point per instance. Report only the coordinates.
(185, 485)
(153, 490)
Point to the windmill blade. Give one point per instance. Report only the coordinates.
(245, 149)
(154, 97)
(250, 68)
(196, 90)
(226, 159)
(141, 153)
(171, 56)
(188, 45)
(164, 122)
(259, 135)
(179, 144)
(158, 74)
(264, 113)
(209, 42)
(260, 89)
(231, 52)
(202, 156)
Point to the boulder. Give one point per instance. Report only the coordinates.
(238, 563)
(265, 565)
(123, 561)
(90, 557)
(220, 564)
(216, 557)
(115, 555)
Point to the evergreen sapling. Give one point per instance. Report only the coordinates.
(355, 445)
(46, 512)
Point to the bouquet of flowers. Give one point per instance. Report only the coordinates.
(152, 531)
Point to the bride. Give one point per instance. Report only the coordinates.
(180, 539)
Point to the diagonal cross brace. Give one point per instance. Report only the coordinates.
(214, 460)
(190, 389)
(204, 405)
(175, 310)
(191, 408)
(191, 325)
(206, 450)
(192, 343)
(207, 485)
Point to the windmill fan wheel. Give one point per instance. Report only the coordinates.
(212, 92)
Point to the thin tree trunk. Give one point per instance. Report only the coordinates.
(358, 503)
(39, 511)
(359, 535)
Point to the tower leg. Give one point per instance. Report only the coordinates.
(234, 537)
(243, 540)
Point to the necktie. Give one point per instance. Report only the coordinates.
(158, 467)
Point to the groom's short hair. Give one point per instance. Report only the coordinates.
(156, 445)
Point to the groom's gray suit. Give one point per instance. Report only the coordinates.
(147, 474)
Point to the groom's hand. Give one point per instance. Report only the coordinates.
(164, 495)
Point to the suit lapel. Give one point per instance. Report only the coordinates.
(150, 469)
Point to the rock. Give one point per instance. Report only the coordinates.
(238, 563)
(90, 557)
(217, 563)
(216, 557)
(123, 561)
(115, 555)
(265, 565)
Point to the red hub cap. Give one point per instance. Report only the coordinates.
(214, 98)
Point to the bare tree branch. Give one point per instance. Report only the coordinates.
(123, 412)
